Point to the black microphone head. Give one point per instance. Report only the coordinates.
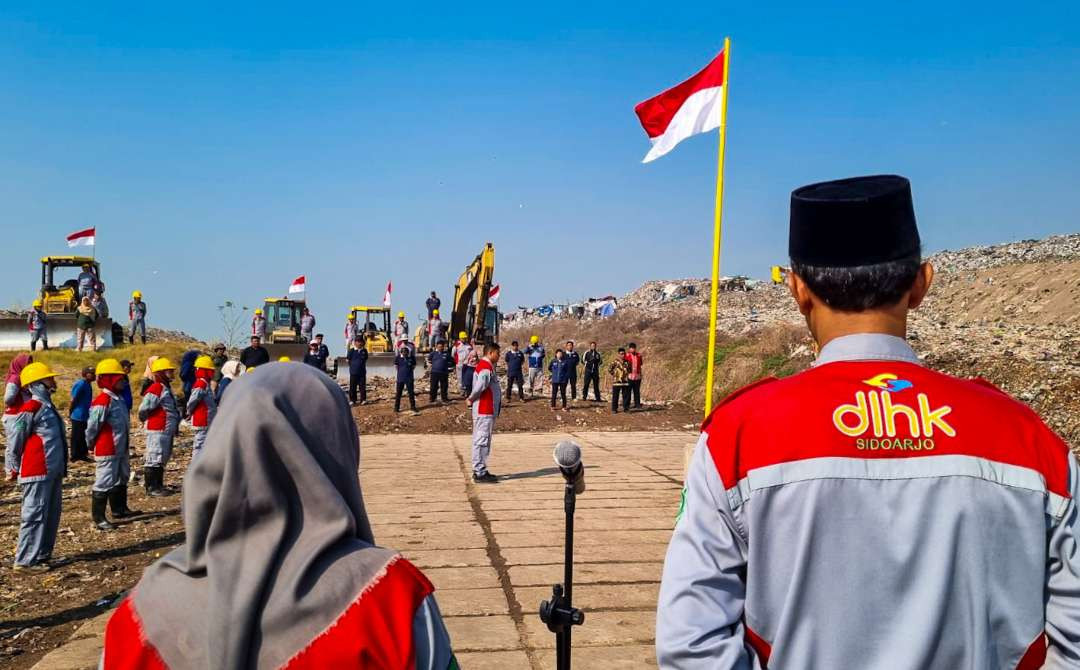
(567, 454)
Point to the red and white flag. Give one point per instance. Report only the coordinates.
(386, 296)
(82, 238)
(687, 109)
(298, 285)
(493, 294)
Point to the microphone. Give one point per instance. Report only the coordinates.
(568, 457)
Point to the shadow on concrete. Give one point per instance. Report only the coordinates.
(542, 472)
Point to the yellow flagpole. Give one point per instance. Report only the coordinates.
(717, 230)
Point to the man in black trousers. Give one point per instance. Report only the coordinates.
(593, 360)
(440, 362)
(405, 361)
(572, 360)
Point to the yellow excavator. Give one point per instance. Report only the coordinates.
(471, 312)
(283, 328)
(59, 299)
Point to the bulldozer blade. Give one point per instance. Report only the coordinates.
(14, 335)
(294, 350)
(378, 365)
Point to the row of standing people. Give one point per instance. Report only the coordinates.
(92, 307)
(527, 367)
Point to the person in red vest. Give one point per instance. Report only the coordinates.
(871, 512)
(485, 399)
(279, 570)
(633, 357)
(161, 421)
(201, 404)
(108, 430)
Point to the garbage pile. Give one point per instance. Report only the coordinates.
(1055, 247)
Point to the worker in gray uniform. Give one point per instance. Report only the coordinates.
(108, 431)
(36, 454)
(161, 419)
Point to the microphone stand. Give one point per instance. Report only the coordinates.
(559, 613)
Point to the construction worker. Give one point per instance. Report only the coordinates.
(161, 419)
(433, 304)
(255, 354)
(108, 432)
(593, 360)
(401, 329)
(560, 377)
(440, 362)
(573, 359)
(350, 329)
(323, 350)
(201, 403)
(468, 367)
(14, 393)
(307, 324)
(357, 357)
(38, 323)
(870, 512)
(535, 354)
(461, 352)
(36, 455)
(515, 364)
(86, 281)
(258, 324)
(405, 362)
(486, 403)
(434, 328)
(137, 317)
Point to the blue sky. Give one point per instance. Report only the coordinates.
(221, 151)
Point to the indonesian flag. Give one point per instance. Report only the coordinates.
(386, 296)
(82, 238)
(493, 294)
(298, 285)
(689, 108)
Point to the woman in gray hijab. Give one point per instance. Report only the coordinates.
(279, 567)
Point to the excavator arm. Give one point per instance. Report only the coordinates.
(471, 295)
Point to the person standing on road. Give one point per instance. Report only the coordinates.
(433, 304)
(486, 403)
(440, 362)
(535, 354)
(573, 359)
(108, 432)
(357, 357)
(870, 511)
(620, 382)
(287, 557)
(161, 419)
(201, 404)
(258, 324)
(136, 317)
(400, 330)
(255, 354)
(307, 324)
(350, 330)
(86, 323)
(515, 363)
(405, 361)
(82, 394)
(593, 360)
(36, 456)
(634, 359)
(38, 323)
(560, 376)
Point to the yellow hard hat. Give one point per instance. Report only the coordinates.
(401, 315)
(205, 362)
(250, 368)
(462, 335)
(37, 302)
(136, 294)
(258, 311)
(109, 366)
(162, 364)
(534, 339)
(350, 315)
(284, 359)
(434, 312)
(35, 372)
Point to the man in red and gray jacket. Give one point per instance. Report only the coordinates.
(486, 402)
(870, 512)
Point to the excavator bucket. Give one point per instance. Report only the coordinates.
(15, 335)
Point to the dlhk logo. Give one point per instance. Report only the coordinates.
(879, 414)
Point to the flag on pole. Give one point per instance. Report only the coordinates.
(298, 285)
(386, 296)
(687, 109)
(82, 238)
(493, 294)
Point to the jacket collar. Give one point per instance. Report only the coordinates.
(867, 347)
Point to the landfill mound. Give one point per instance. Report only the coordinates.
(1009, 313)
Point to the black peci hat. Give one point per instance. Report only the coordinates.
(851, 222)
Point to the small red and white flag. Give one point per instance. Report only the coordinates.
(386, 296)
(298, 285)
(687, 109)
(493, 294)
(82, 238)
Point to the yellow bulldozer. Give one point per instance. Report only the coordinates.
(59, 295)
(375, 324)
(283, 328)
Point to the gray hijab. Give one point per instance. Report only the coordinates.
(278, 544)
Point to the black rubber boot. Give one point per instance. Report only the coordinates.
(118, 502)
(158, 490)
(97, 510)
(131, 339)
(148, 479)
(143, 339)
